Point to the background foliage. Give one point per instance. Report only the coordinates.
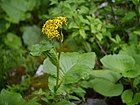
(110, 28)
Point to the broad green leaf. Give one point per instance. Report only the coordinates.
(127, 96)
(17, 10)
(106, 87)
(12, 98)
(76, 73)
(13, 41)
(136, 81)
(136, 99)
(31, 35)
(40, 48)
(87, 59)
(120, 63)
(106, 74)
(51, 83)
(73, 66)
(132, 51)
(132, 73)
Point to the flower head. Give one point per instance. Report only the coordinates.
(52, 26)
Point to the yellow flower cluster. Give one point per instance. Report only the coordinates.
(52, 26)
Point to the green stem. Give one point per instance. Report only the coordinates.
(131, 83)
(100, 46)
(57, 78)
(58, 67)
(137, 89)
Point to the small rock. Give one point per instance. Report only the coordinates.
(91, 101)
(40, 71)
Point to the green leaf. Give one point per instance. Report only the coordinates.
(106, 74)
(136, 99)
(51, 83)
(127, 96)
(133, 38)
(137, 32)
(119, 11)
(32, 102)
(132, 51)
(13, 41)
(123, 64)
(49, 67)
(11, 98)
(136, 81)
(31, 35)
(71, 97)
(87, 59)
(132, 73)
(99, 36)
(82, 33)
(130, 98)
(93, 29)
(40, 48)
(53, 2)
(65, 102)
(79, 91)
(83, 9)
(128, 17)
(106, 87)
(53, 57)
(73, 66)
(76, 73)
(17, 10)
(82, 19)
(4, 26)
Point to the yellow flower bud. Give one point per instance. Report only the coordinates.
(52, 26)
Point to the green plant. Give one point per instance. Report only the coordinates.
(66, 70)
(20, 88)
(120, 75)
(87, 26)
(14, 99)
(10, 57)
(16, 19)
(110, 28)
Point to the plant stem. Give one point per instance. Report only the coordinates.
(57, 78)
(131, 83)
(58, 67)
(100, 46)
